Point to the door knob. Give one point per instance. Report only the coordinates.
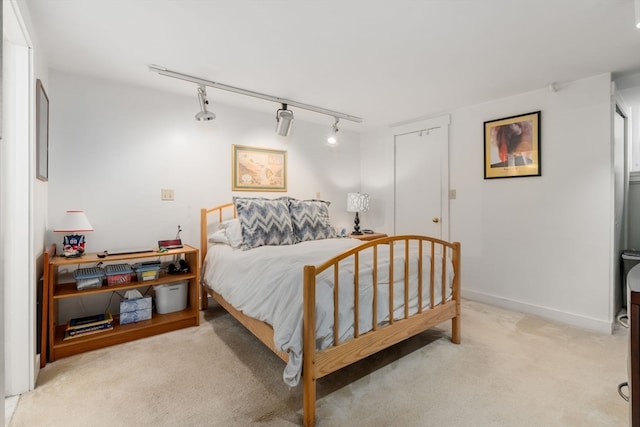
(436, 220)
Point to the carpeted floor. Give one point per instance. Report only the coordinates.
(511, 369)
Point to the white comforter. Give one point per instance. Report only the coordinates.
(266, 283)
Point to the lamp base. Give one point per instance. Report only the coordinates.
(75, 254)
(356, 226)
(73, 246)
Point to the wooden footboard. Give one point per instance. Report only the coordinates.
(442, 305)
(317, 364)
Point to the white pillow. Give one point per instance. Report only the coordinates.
(233, 232)
(219, 236)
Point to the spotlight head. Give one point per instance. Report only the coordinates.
(203, 115)
(284, 121)
(332, 139)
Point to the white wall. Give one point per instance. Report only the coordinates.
(113, 147)
(536, 244)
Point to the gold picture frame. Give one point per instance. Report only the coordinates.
(258, 169)
(512, 147)
(42, 132)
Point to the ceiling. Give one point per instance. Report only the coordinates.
(387, 62)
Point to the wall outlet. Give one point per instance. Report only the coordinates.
(166, 194)
(452, 194)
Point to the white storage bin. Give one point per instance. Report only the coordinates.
(171, 297)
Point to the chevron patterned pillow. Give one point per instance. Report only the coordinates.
(264, 222)
(310, 220)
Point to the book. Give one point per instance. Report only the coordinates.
(87, 321)
(87, 331)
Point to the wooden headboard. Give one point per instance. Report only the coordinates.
(218, 214)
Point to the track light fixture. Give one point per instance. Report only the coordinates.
(203, 82)
(203, 115)
(284, 121)
(332, 140)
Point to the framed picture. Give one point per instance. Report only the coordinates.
(512, 146)
(258, 169)
(42, 133)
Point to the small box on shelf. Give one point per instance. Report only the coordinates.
(118, 274)
(88, 278)
(145, 272)
(135, 310)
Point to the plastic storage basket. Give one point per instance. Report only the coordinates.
(118, 274)
(146, 272)
(88, 278)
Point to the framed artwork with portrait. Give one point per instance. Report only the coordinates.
(512, 146)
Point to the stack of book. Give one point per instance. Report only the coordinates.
(88, 325)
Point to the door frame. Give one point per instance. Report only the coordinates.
(441, 122)
(619, 242)
(17, 162)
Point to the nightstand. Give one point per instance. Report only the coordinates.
(367, 236)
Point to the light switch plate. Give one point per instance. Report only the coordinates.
(166, 194)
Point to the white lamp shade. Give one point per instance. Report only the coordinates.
(74, 221)
(357, 202)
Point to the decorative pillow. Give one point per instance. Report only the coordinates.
(310, 220)
(233, 231)
(219, 237)
(264, 222)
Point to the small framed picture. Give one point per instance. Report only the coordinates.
(258, 169)
(512, 146)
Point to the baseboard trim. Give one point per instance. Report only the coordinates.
(546, 312)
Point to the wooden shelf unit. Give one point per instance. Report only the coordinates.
(56, 289)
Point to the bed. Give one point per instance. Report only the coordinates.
(318, 301)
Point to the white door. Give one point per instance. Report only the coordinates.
(421, 186)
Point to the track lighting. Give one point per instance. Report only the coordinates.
(203, 115)
(333, 136)
(284, 113)
(284, 121)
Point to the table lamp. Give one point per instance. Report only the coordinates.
(74, 223)
(357, 202)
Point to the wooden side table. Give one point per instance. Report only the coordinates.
(367, 236)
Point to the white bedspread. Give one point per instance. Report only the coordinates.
(266, 283)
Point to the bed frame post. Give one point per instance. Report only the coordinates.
(308, 349)
(455, 322)
(204, 302)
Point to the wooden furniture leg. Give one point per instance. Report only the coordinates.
(308, 348)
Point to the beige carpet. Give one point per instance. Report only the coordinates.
(510, 370)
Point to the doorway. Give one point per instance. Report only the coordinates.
(421, 184)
